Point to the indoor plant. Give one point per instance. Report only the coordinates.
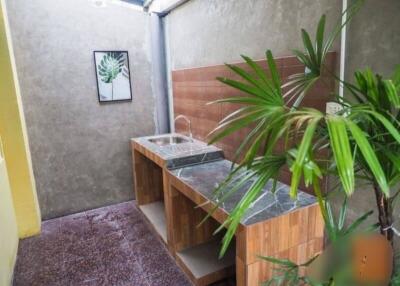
(360, 142)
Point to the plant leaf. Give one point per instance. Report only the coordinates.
(341, 150)
(242, 87)
(301, 155)
(385, 122)
(342, 214)
(369, 156)
(273, 70)
(391, 91)
(320, 38)
(396, 77)
(358, 222)
(310, 49)
(283, 262)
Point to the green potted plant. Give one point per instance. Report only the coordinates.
(360, 142)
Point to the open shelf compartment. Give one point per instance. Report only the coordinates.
(155, 213)
(195, 245)
(203, 263)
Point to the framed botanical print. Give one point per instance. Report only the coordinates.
(113, 76)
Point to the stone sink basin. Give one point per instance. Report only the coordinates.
(176, 150)
(169, 140)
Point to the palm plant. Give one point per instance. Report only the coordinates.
(360, 142)
(110, 66)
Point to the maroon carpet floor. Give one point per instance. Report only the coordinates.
(107, 246)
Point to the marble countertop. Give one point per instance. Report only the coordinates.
(182, 154)
(205, 178)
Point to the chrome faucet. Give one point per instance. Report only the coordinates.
(188, 122)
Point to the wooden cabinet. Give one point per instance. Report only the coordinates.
(296, 235)
(176, 201)
(149, 190)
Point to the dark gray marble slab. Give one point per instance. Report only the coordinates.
(182, 154)
(206, 177)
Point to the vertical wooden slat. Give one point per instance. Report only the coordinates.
(148, 179)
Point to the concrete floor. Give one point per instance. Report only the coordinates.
(107, 246)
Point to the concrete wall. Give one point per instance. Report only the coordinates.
(80, 148)
(211, 32)
(373, 38)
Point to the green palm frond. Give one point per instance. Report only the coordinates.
(369, 156)
(314, 55)
(262, 170)
(396, 78)
(300, 162)
(339, 142)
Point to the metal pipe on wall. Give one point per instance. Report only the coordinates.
(160, 85)
(161, 81)
(343, 49)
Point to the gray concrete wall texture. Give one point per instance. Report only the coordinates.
(209, 32)
(373, 38)
(80, 148)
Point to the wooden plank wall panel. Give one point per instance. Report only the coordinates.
(194, 88)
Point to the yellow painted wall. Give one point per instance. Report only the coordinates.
(8, 228)
(14, 137)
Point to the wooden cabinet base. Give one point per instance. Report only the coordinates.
(175, 210)
(297, 235)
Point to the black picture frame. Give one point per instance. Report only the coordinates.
(101, 98)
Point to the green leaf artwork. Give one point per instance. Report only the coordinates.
(109, 67)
